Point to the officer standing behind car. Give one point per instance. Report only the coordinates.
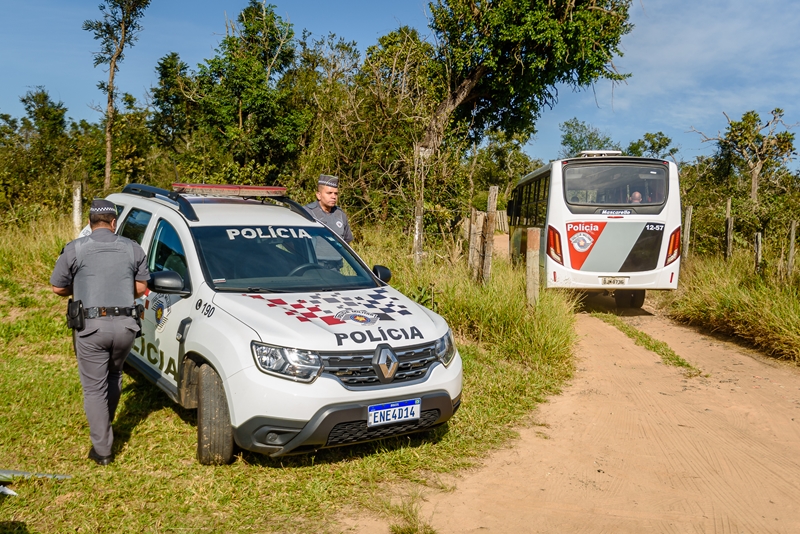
(104, 273)
(325, 209)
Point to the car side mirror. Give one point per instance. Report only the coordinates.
(168, 282)
(383, 273)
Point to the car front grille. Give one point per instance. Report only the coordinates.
(358, 431)
(355, 369)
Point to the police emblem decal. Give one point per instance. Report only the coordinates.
(581, 241)
(357, 316)
(161, 308)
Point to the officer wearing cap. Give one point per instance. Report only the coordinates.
(103, 273)
(325, 209)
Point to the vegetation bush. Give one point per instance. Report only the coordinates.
(730, 298)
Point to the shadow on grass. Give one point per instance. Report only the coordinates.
(15, 527)
(140, 399)
(346, 453)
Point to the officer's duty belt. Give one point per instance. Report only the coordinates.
(94, 313)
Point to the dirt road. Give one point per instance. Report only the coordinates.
(633, 446)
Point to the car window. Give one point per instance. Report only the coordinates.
(167, 253)
(135, 224)
(278, 259)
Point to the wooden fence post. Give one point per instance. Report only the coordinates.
(488, 234)
(687, 223)
(77, 207)
(790, 267)
(532, 265)
(758, 252)
(728, 231)
(473, 238)
(477, 259)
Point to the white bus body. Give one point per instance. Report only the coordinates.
(609, 223)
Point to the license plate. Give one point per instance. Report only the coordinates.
(393, 412)
(613, 280)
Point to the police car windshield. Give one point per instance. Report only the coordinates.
(278, 259)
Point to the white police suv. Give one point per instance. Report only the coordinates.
(275, 330)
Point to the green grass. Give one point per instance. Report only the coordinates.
(514, 356)
(729, 298)
(668, 356)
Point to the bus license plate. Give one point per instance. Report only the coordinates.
(394, 412)
(613, 280)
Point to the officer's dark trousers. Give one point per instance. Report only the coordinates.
(101, 348)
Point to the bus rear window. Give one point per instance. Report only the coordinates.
(615, 184)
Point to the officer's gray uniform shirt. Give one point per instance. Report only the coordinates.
(66, 266)
(336, 220)
(103, 276)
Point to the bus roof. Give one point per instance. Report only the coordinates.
(582, 160)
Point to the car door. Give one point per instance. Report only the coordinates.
(163, 312)
(136, 226)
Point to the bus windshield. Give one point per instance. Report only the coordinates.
(615, 184)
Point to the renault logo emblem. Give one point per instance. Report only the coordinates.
(385, 363)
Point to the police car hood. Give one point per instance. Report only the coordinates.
(331, 321)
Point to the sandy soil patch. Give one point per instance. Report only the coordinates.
(633, 446)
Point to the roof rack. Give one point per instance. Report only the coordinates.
(598, 153)
(278, 194)
(149, 191)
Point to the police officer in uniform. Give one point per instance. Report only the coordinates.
(325, 209)
(103, 273)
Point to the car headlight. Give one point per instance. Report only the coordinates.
(293, 364)
(446, 348)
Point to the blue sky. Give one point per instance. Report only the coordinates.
(690, 60)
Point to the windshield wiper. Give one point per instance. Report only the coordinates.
(250, 289)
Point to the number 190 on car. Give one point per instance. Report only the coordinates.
(393, 412)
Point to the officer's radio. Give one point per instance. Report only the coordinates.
(75, 317)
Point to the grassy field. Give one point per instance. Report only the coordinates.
(513, 357)
(729, 298)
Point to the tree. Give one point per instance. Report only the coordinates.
(117, 29)
(504, 58)
(171, 120)
(502, 61)
(501, 162)
(652, 145)
(243, 103)
(577, 136)
(761, 147)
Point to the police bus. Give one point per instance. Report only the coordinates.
(611, 224)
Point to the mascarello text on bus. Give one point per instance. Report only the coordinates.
(610, 223)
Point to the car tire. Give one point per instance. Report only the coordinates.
(214, 431)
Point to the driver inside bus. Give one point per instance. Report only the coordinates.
(636, 197)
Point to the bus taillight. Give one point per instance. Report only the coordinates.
(674, 249)
(554, 245)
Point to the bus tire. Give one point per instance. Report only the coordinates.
(629, 298)
(214, 430)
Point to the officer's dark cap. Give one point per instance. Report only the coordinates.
(101, 207)
(328, 180)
